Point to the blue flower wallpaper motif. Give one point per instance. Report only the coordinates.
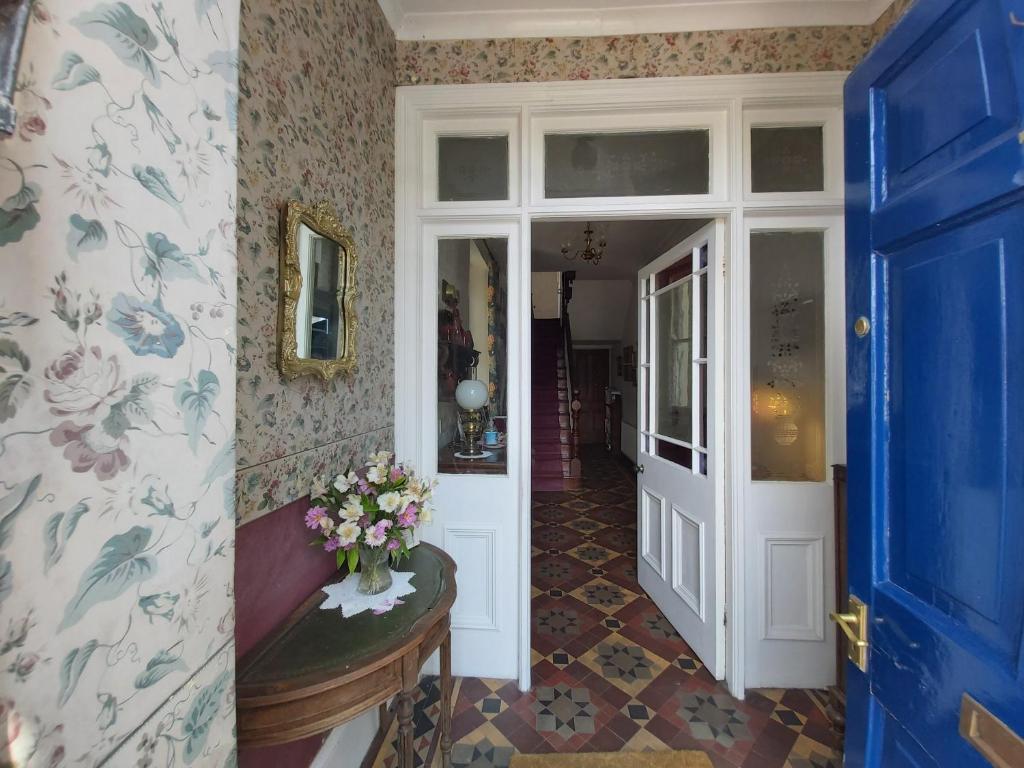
(117, 396)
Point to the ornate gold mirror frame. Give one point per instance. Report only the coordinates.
(321, 219)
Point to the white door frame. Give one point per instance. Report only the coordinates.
(727, 104)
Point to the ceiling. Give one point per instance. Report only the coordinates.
(474, 19)
(631, 244)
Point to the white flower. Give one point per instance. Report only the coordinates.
(326, 525)
(352, 510)
(319, 489)
(389, 501)
(348, 533)
(382, 457)
(343, 482)
(426, 515)
(375, 537)
(377, 474)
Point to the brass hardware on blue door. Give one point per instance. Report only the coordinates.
(862, 327)
(854, 624)
(989, 735)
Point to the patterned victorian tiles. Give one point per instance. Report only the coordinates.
(610, 673)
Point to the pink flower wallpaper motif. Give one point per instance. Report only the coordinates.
(715, 52)
(117, 327)
(316, 122)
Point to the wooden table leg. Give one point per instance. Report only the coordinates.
(404, 709)
(446, 701)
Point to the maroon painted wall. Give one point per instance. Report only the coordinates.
(275, 571)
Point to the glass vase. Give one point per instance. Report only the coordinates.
(374, 573)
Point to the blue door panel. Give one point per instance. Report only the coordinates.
(956, 436)
(922, 663)
(935, 392)
(951, 116)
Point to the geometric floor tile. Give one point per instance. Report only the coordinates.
(610, 672)
(714, 717)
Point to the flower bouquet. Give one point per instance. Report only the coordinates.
(368, 517)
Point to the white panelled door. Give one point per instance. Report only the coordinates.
(681, 489)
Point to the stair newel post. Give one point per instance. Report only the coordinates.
(575, 466)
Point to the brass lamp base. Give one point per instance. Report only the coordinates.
(472, 425)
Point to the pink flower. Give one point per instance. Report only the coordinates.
(81, 381)
(393, 545)
(407, 517)
(315, 516)
(88, 448)
(332, 544)
(375, 536)
(383, 525)
(396, 474)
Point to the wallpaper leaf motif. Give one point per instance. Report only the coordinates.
(117, 333)
(121, 562)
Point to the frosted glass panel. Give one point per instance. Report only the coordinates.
(787, 159)
(627, 164)
(787, 356)
(471, 168)
(674, 362)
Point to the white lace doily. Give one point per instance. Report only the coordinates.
(344, 595)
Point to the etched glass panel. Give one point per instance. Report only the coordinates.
(627, 164)
(472, 168)
(472, 330)
(788, 159)
(787, 356)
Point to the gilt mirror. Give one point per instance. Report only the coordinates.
(317, 324)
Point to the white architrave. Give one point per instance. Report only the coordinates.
(732, 101)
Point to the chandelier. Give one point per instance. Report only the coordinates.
(588, 252)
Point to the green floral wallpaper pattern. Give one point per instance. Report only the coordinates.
(117, 359)
(316, 122)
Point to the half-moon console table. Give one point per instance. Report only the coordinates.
(319, 669)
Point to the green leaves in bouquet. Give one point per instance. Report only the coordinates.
(349, 558)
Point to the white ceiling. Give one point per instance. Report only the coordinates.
(474, 19)
(631, 244)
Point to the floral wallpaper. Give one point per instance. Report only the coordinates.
(714, 52)
(316, 121)
(117, 397)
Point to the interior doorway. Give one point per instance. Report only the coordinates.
(593, 378)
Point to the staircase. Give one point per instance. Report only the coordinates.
(555, 463)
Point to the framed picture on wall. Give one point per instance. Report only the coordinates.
(629, 355)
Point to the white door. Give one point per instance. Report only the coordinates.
(472, 295)
(681, 490)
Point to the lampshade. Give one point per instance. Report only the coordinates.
(471, 394)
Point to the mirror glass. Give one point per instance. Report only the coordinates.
(319, 319)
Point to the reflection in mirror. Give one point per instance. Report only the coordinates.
(316, 330)
(471, 355)
(319, 321)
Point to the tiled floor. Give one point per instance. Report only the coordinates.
(609, 672)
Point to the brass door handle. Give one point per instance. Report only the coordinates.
(854, 624)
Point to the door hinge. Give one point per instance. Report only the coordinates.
(725, 617)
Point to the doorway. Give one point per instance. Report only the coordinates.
(593, 377)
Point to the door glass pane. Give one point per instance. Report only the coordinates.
(627, 164)
(471, 168)
(674, 362)
(788, 159)
(471, 356)
(787, 356)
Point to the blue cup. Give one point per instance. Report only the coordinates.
(490, 437)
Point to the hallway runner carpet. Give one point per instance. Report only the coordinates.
(610, 673)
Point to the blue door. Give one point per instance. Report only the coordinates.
(935, 304)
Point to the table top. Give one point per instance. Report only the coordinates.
(316, 648)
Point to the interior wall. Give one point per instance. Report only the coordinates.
(598, 310)
(117, 388)
(715, 52)
(316, 122)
